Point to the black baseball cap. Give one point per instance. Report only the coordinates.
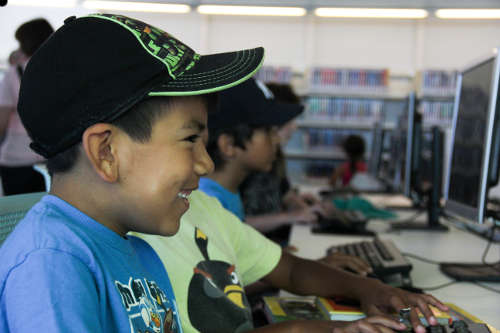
(95, 68)
(251, 103)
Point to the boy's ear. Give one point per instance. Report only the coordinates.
(97, 141)
(226, 145)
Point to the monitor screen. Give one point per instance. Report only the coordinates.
(394, 170)
(390, 170)
(376, 151)
(475, 105)
(426, 176)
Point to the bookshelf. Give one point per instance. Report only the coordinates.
(435, 93)
(343, 101)
(276, 74)
(340, 102)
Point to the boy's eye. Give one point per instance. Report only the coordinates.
(192, 138)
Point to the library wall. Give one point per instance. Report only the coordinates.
(366, 44)
(454, 44)
(282, 37)
(402, 46)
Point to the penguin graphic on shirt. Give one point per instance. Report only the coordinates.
(216, 300)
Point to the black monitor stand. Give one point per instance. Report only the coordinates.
(433, 214)
(433, 194)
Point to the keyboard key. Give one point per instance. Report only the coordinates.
(382, 255)
(383, 250)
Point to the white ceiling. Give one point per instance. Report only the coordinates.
(428, 4)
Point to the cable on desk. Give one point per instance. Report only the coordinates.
(444, 285)
(486, 287)
(439, 286)
(420, 258)
(483, 258)
(493, 265)
(454, 281)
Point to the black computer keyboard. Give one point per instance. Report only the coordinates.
(347, 222)
(382, 255)
(457, 326)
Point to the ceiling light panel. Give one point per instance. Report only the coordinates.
(251, 10)
(44, 3)
(137, 6)
(406, 13)
(482, 14)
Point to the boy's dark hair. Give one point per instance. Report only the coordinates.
(283, 92)
(138, 123)
(240, 133)
(354, 146)
(32, 34)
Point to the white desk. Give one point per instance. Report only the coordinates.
(455, 245)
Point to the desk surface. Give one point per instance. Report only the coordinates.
(455, 245)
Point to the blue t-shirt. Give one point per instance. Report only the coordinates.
(229, 200)
(62, 271)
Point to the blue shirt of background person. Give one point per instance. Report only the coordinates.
(229, 200)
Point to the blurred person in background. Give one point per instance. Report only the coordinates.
(16, 158)
(354, 148)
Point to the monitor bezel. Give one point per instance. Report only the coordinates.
(377, 149)
(409, 144)
(455, 208)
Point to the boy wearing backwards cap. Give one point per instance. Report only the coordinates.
(243, 139)
(118, 108)
(214, 255)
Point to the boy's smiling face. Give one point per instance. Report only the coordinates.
(156, 177)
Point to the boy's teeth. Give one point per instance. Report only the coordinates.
(182, 195)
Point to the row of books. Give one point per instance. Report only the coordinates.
(348, 78)
(274, 74)
(280, 309)
(319, 169)
(310, 171)
(438, 82)
(437, 112)
(327, 138)
(343, 109)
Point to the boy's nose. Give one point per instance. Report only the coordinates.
(204, 164)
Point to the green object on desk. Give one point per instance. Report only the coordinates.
(365, 207)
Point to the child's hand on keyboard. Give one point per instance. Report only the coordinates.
(375, 324)
(303, 216)
(377, 298)
(348, 262)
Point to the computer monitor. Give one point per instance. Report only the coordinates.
(392, 170)
(467, 179)
(412, 130)
(470, 170)
(376, 151)
(423, 175)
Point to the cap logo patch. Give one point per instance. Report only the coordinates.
(177, 56)
(265, 90)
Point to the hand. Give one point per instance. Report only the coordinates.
(309, 198)
(378, 298)
(306, 215)
(375, 324)
(291, 248)
(345, 261)
(328, 209)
